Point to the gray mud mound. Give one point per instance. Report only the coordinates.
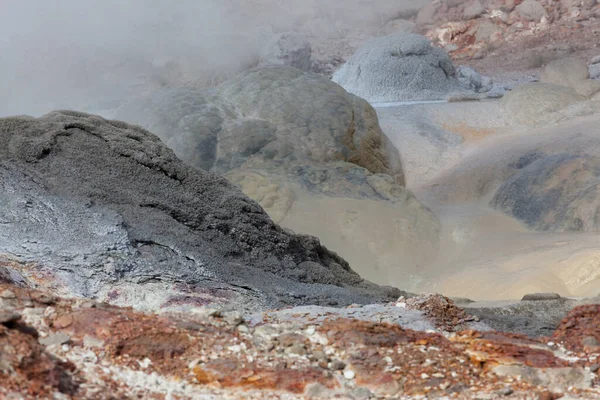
(399, 67)
(99, 208)
(276, 115)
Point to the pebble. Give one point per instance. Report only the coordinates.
(233, 318)
(290, 339)
(8, 294)
(349, 374)
(235, 348)
(145, 363)
(63, 321)
(336, 365)
(92, 342)
(297, 349)
(318, 355)
(7, 317)
(595, 368)
(505, 391)
(590, 341)
(194, 363)
(56, 338)
(44, 298)
(243, 328)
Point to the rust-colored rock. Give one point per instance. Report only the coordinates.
(26, 367)
(63, 321)
(579, 328)
(115, 352)
(441, 309)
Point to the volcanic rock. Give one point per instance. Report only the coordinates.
(531, 10)
(473, 81)
(99, 208)
(193, 356)
(473, 10)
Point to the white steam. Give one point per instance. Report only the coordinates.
(91, 54)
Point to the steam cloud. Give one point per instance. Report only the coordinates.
(89, 55)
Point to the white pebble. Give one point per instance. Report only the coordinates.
(235, 348)
(349, 374)
(194, 363)
(145, 363)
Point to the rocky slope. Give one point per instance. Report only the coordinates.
(99, 208)
(82, 349)
(498, 36)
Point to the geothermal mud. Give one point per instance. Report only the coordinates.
(457, 157)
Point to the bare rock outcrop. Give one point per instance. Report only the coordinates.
(99, 208)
